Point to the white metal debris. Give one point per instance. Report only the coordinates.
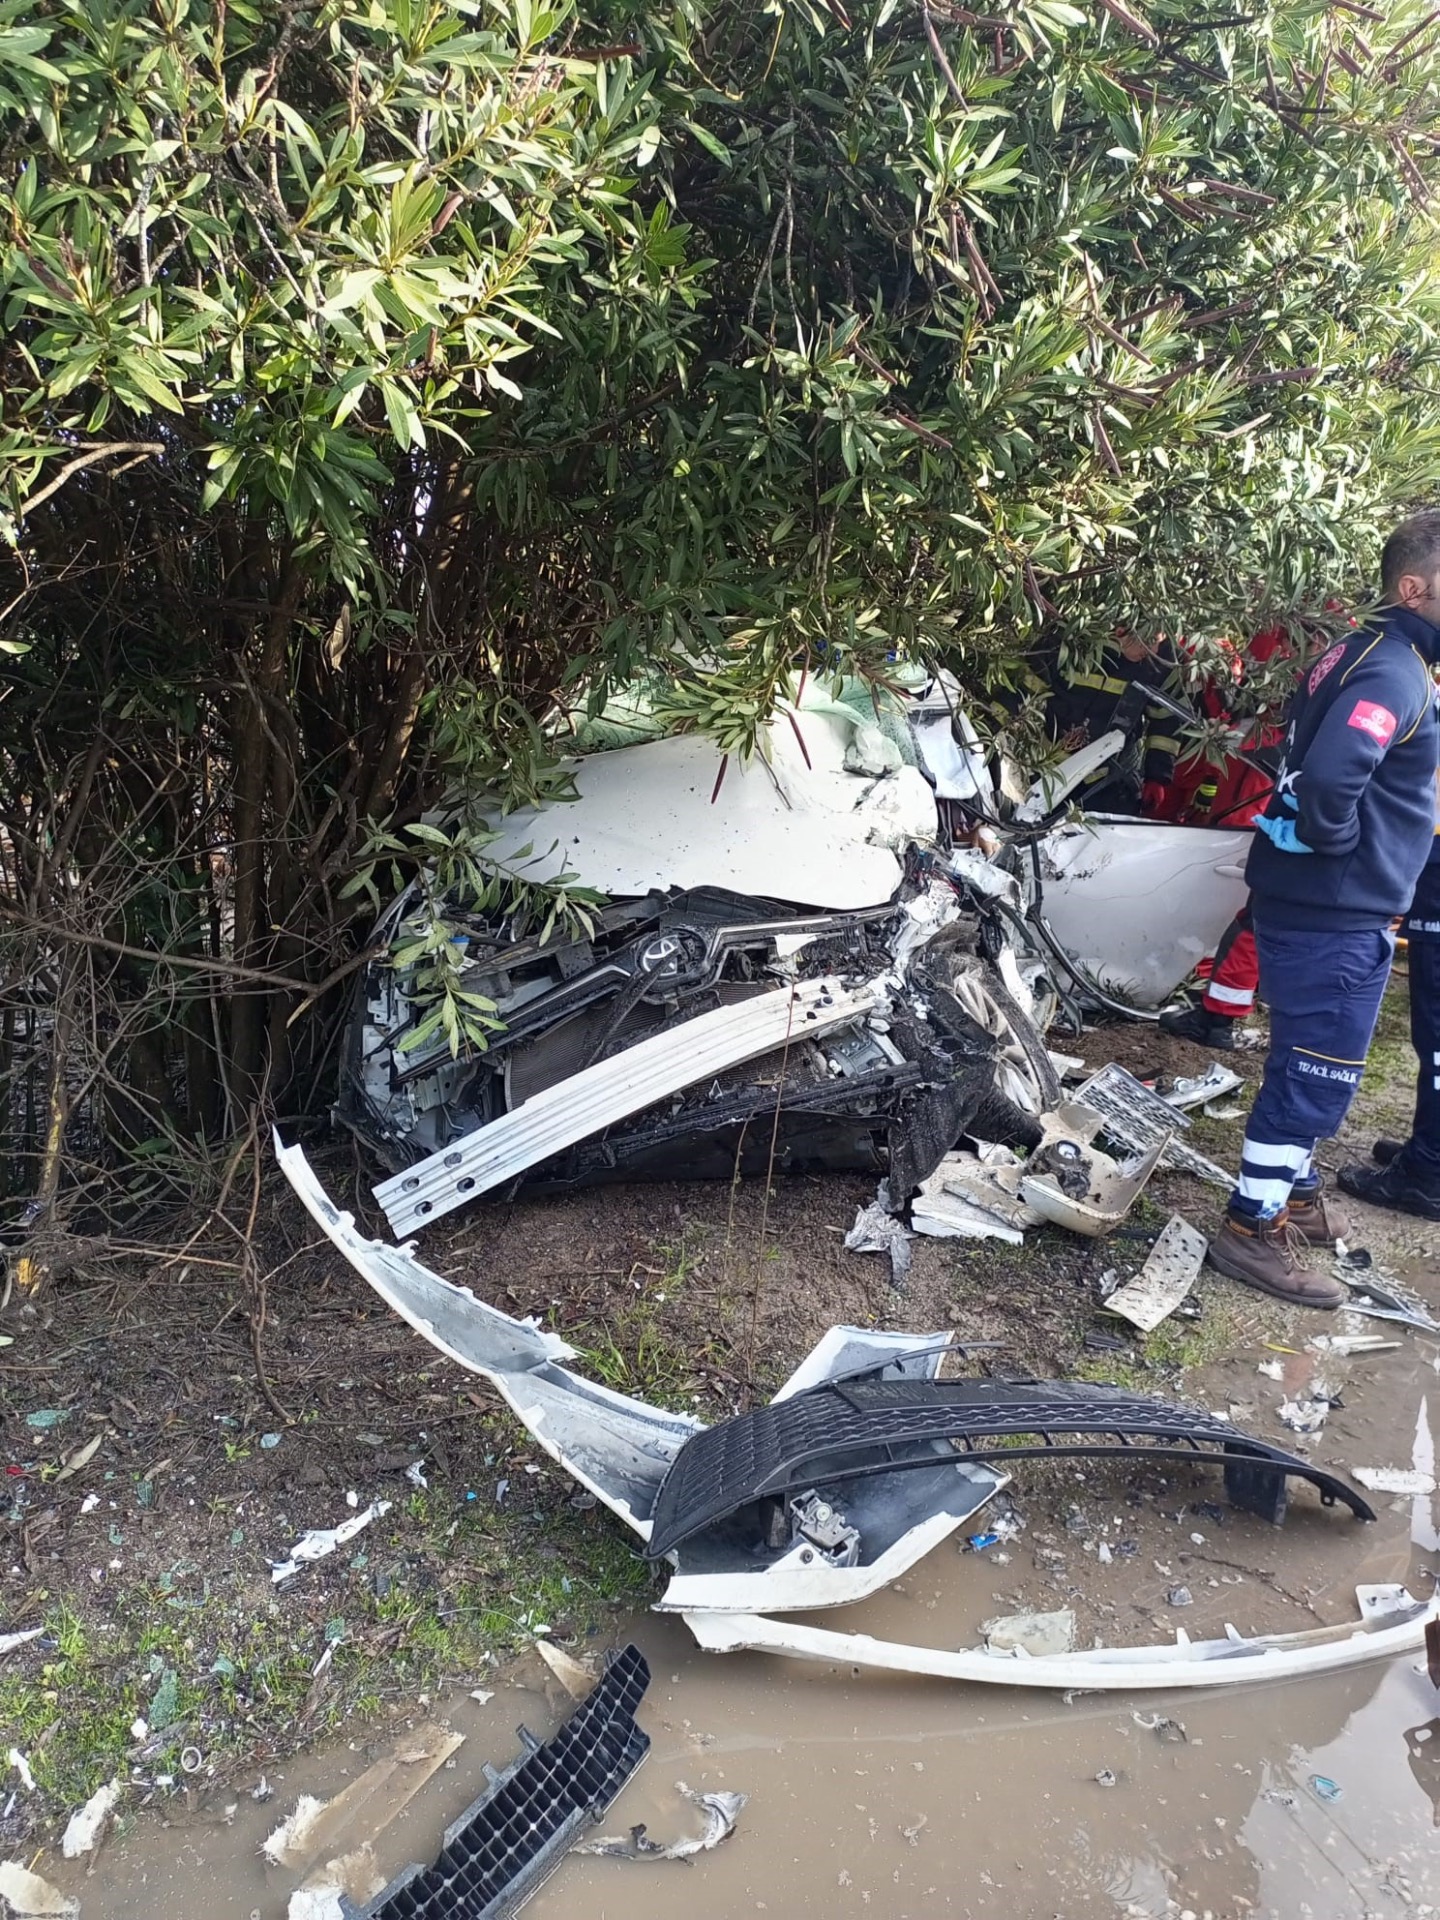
(971, 1197)
(620, 1449)
(1305, 1414)
(1392, 1622)
(318, 1542)
(876, 1230)
(1200, 1089)
(10, 1641)
(587, 1102)
(1166, 1277)
(1137, 907)
(87, 1823)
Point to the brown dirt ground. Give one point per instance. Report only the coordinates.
(151, 1558)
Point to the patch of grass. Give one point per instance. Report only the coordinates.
(446, 1587)
(1176, 1349)
(632, 1349)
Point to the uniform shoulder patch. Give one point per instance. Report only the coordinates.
(1370, 717)
(1326, 665)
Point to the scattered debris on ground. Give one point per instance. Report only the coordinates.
(721, 1811)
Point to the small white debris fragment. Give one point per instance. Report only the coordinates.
(483, 1694)
(1304, 1416)
(1033, 1633)
(27, 1895)
(291, 1843)
(139, 1729)
(320, 1541)
(352, 1500)
(415, 1474)
(1271, 1369)
(10, 1641)
(262, 1790)
(576, 1680)
(1395, 1480)
(89, 1503)
(82, 1835)
(315, 1903)
(721, 1811)
(22, 1766)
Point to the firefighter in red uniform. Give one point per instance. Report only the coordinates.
(1233, 795)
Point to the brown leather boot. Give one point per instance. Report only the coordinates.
(1262, 1254)
(1317, 1217)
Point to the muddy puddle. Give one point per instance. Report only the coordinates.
(1302, 1800)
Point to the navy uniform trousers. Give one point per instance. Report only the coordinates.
(1324, 992)
(1421, 928)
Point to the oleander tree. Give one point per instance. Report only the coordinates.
(386, 380)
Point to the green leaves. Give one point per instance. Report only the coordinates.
(565, 349)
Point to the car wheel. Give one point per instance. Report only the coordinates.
(1024, 1072)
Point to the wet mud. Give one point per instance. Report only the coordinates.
(1300, 1800)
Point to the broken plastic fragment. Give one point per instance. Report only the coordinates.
(876, 1230)
(29, 1897)
(86, 1825)
(318, 1542)
(1395, 1480)
(721, 1811)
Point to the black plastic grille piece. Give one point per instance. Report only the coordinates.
(504, 1845)
(849, 1431)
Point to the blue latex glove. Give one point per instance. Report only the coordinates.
(1282, 836)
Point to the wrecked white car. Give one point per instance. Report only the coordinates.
(814, 937)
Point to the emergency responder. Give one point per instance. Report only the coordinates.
(1084, 706)
(1407, 1177)
(1231, 795)
(1230, 989)
(1336, 857)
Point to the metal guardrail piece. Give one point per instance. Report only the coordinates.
(836, 1433)
(611, 1090)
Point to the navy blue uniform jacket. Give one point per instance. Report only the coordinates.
(1358, 779)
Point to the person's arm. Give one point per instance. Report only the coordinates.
(1371, 709)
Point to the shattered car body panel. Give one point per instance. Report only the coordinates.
(727, 1582)
(604, 1076)
(1138, 904)
(598, 1096)
(1392, 1622)
(726, 880)
(838, 1546)
(784, 826)
(856, 1428)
